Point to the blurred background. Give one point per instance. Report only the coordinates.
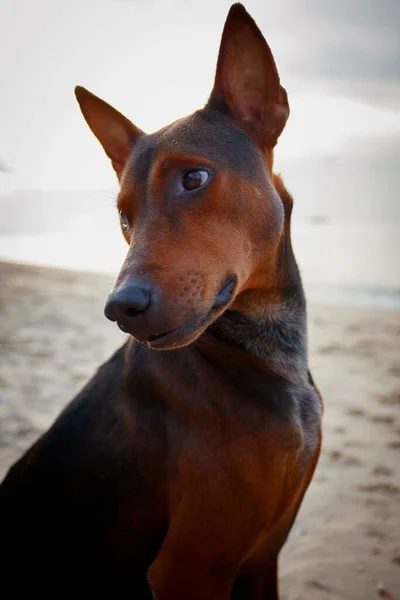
(155, 61)
(339, 155)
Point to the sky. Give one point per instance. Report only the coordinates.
(154, 60)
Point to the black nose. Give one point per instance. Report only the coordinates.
(126, 303)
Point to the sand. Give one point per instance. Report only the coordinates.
(346, 541)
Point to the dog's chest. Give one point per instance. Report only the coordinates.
(235, 442)
(228, 438)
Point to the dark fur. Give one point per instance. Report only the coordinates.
(86, 505)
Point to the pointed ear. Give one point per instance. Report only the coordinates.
(247, 85)
(115, 132)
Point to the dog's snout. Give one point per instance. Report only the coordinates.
(126, 303)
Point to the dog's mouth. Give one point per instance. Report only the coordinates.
(185, 335)
(177, 338)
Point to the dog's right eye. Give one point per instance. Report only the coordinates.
(194, 178)
(124, 220)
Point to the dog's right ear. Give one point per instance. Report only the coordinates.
(115, 132)
(247, 86)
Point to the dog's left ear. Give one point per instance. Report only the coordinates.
(115, 132)
(247, 85)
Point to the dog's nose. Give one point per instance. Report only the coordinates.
(126, 303)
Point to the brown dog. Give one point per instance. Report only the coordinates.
(179, 473)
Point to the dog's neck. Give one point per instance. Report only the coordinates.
(268, 323)
(275, 339)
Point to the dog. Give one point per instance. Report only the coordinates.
(178, 470)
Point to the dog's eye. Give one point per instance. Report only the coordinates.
(194, 179)
(124, 220)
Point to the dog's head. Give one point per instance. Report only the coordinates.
(197, 204)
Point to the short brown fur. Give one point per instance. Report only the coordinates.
(179, 469)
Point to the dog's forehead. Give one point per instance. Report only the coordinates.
(203, 135)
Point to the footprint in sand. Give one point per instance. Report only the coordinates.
(317, 585)
(395, 445)
(346, 459)
(339, 430)
(387, 419)
(331, 349)
(394, 370)
(382, 470)
(375, 533)
(356, 412)
(389, 489)
(391, 398)
(355, 444)
(320, 479)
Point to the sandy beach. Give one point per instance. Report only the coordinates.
(346, 541)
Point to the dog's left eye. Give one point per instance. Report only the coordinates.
(124, 220)
(194, 178)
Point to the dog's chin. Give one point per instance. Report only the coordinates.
(188, 333)
(180, 337)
